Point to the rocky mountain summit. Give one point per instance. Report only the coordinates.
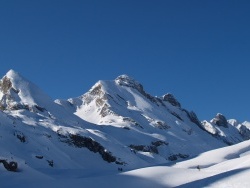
(115, 125)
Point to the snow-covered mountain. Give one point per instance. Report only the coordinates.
(124, 104)
(116, 125)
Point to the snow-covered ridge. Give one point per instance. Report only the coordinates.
(123, 102)
(125, 80)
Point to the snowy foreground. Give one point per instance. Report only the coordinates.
(224, 167)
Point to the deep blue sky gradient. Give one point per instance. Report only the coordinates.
(197, 50)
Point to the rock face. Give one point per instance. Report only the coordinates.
(5, 85)
(193, 117)
(245, 132)
(9, 94)
(125, 80)
(10, 166)
(171, 99)
(80, 141)
(220, 120)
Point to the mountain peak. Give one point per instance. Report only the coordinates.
(17, 92)
(126, 81)
(171, 99)
(15, 78)
(11, 73)
(220, 120)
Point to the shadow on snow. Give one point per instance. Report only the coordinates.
(208, 181)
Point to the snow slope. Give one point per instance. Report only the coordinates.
(224, 167)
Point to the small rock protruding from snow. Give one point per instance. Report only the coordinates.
(171, 99)
(220, 120)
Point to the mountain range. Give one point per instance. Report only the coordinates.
(115, 126)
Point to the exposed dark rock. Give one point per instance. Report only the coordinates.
(106, 111)
(62, 136)
(177, 156)
(159, 143)
(2, 107)
(125, 80)
(51, 163)
(125, 127)
(176, 115)
(99, 102)
(160, 101)
(130, 120)
(96, 90)
(220, 120)
(162, 125)
(5, 85)
(245, 132)
(40, 108)
(171, 99)
(193, 118)
(11, 166)
(151, 148)
(85, 142)
(16, 107)
(120, 163)
(20, 136)
(120, 169)
(121, 98)
(39, 156)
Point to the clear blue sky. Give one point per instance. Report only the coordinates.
(197, 50)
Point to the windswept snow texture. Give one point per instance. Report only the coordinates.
(116, 133)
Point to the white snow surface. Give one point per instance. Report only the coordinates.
(225, 167)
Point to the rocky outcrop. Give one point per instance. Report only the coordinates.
(245, 132)
(21, 137)
(220, 120)
(5, 85)
(127, 81)
(151, 148)
(175, 157)
(10, 166)
(86, 142)
(171, 99)
(193, 118)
